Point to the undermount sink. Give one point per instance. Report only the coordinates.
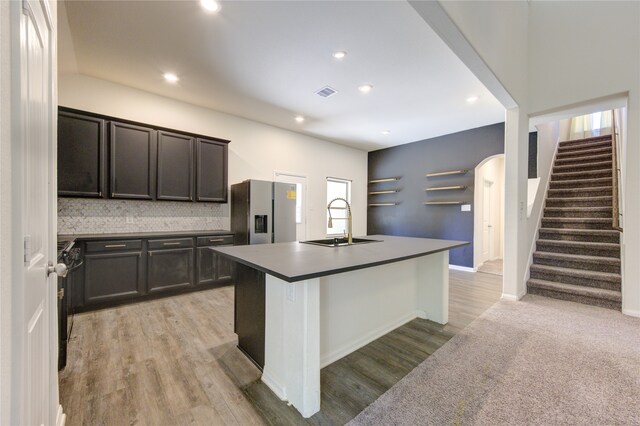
(339, 241)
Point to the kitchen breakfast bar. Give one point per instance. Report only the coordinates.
(300, 307)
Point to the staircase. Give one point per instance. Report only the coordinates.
(577, 255)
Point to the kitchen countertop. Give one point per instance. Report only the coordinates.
(123, 235)
(298, 261)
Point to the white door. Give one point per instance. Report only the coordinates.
(487, 223)
(301, 200)
(34, 155)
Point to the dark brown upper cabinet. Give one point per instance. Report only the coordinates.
(133, 156)
(101, 156)
(175, 166)
(211, 171)
(81, 156)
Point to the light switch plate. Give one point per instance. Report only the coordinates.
(465, 207)
(291, 292)
(129, 219)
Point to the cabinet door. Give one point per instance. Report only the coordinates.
(81, 155)
(112, 276)
(206, 266)
(211, 171)
(224, 268)
(133, 161)
(175, 167)
(169, 269)
(213, 268)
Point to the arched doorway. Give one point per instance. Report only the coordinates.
(488, 215)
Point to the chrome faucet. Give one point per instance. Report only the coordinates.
(349, 218)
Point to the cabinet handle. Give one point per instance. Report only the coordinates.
(218, 240)
(171, 244)
(114, 245)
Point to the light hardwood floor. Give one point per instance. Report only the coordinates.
(174, 361)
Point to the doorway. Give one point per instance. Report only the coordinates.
(301, 200)
(488, 217)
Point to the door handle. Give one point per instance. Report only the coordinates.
(60, 269)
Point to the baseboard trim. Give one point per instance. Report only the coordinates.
(61, 417)
(510, 297)
(631, 312)
(462, 268)
(366, 339)
(274, 385)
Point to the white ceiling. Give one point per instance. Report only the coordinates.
(264, 60)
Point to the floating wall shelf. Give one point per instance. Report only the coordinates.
(444, 188)
(391, 191)
(391, 179)
(382, 204)
(444, 202)
(451, 172)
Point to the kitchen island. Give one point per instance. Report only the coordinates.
(300, 307)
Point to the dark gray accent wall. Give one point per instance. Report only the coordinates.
(411, 218)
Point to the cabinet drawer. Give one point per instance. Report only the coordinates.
(170, 243)
(215, 240)
(94, 246)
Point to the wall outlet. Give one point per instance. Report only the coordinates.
(129, 219)
(465, 207)
(210, 219)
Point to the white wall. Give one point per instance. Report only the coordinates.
(581, 51)
(5, 215)
(574, 52)
(255, 151)
(548, 135)
(497, 30)
(491, 38)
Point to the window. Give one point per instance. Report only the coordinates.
(338, 188)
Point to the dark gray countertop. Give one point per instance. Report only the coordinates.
(297, 261)
(117, 236)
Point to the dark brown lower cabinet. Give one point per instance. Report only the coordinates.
(206, 266)
(117, 271)
(213, 268)
(114, 276)
(225, 268)
(169, 269)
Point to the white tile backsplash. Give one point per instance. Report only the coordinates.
(98, 216)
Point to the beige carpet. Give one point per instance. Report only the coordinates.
(539, 361)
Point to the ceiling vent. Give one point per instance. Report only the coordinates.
(326, 91)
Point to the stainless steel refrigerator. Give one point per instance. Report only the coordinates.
(263, 212)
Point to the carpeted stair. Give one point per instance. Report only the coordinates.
(577, 254)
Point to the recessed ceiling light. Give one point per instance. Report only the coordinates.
(472, 99)
(210, 5)
(386, 132)
(365, 88)
(171, 77)
(299, 118)
(339, 55)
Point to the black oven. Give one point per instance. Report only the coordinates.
(70, 256)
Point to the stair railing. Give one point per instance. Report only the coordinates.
(615, 174)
